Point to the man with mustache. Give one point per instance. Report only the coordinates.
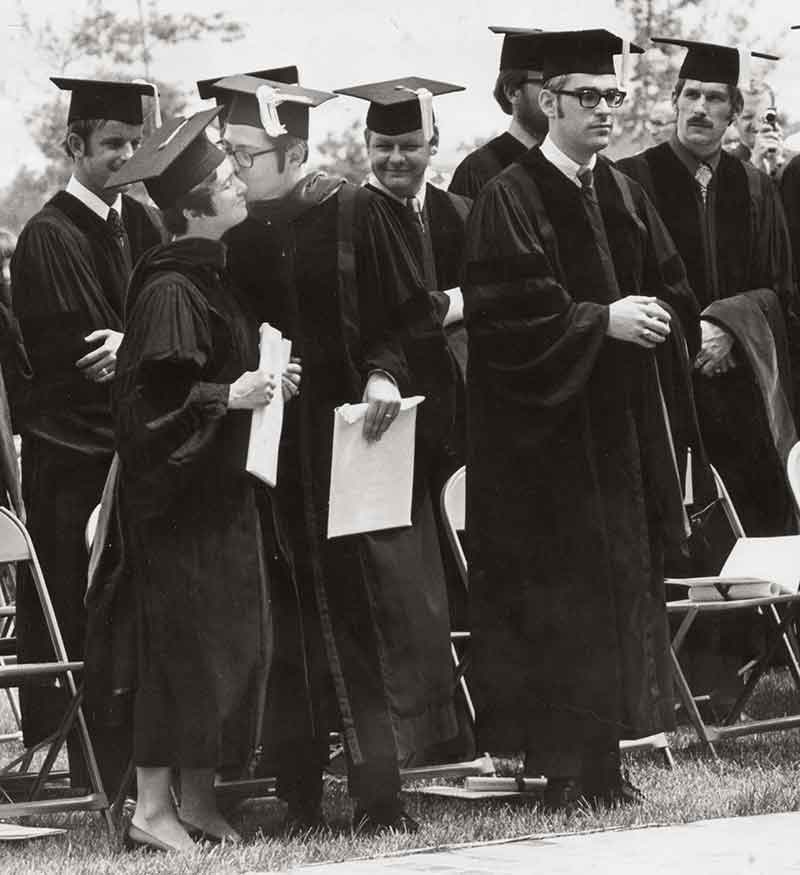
(68, 279)
(727, 223)
(572, 492)
(517, 93)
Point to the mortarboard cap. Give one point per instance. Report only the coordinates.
(113, 101)
(707, 62)
(173, 160)
(583, 51)
(399, 106)
(273, 106)
(288, 75)
(521, 48)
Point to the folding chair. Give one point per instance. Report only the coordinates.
(779, 612)
(28, 790)
(454, 513)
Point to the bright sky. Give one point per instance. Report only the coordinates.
(336, 45)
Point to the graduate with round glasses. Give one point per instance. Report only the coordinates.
(572, 493)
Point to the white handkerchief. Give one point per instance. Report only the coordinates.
(371, 482)
(267, 423)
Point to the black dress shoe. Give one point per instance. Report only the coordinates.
(381, 819)
(621, 792)
(564, 794)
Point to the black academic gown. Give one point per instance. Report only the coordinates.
(736, 250)
(341, 285)
(68, 279)
(572, 491)
(194, 545)
(485, 163)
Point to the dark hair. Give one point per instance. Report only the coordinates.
(8, 243)
(84, 128)
(556, 83)
(734, 95)
(196, 200)
(508, 80)
(284, 143)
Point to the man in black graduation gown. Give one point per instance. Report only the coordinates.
(517, 92)
(326, 263)
(572, 489)
(401, 136)
(69, 274)
(727, 222)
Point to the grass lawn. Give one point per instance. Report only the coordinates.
(754, 775)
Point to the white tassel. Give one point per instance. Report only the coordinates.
(426, 111)
(156, 99)
(623, 71)
(688, 487)
(744, 67)
(268, 101)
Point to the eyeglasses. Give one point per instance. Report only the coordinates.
(590, 97)
(244, 158)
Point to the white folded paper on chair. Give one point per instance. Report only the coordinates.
(267, 423)
(371, 481)
(755, 568)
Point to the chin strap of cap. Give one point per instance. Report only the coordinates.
(268, 101)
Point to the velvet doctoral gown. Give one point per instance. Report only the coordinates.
(735, 249)
(328, 266)
(196, 529)
(485, 163)
(68, 278)
(572, 490)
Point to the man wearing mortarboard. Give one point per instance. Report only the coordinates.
(69, 274)
(573, 494)
(726, 220)
(516, 91)
(327, 263)
(402, 135)
(790, 195)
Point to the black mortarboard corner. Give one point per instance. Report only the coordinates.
(707, 62)
(399, 106)
(113, 101)
(173, 160)
(521, 48)
(276, 106)
(583, 51)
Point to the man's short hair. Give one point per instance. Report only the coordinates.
(508, 80)
(757, 87)
(284, 143)
(734, 95)
(197, 200)
(84, 128)
(556, 83)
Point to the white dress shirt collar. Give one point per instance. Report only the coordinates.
(91, 200)
(563, 162)
(420, 195)
(519, 133)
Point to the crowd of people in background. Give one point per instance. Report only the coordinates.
(590, 338)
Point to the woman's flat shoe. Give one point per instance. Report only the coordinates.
(136, 839)
(197, 834)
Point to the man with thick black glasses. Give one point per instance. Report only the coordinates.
(517, 93)
(573, 494)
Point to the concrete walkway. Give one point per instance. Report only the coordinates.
(765, 845)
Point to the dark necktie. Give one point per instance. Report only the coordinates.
(425, 250)
(703, 176)
(592, 205)
(117, 230)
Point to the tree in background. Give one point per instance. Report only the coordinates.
(345, 154)
(121, 47)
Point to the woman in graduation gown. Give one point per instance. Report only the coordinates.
(187, 381)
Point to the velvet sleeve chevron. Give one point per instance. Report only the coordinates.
(532, 342)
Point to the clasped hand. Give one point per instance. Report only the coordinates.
(100, 364)
(253, 389)
(716, 345)
(638, 319)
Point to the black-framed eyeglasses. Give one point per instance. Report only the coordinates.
(244, 158)
(590, 97)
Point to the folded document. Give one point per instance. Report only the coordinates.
(267, 423)
(371, 482)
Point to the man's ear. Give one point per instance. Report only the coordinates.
(548, 103)
(296, 154)
(76, 145)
